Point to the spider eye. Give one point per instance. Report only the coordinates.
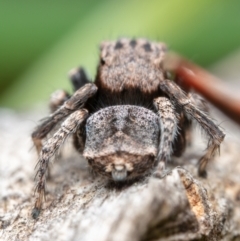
(102, 61)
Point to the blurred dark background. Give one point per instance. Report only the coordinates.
(41, 41)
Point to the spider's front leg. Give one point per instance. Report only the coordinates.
(179, 98)
(76, 102)
(168, 124)
(69, 126)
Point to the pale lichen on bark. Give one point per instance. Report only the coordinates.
(181, 206)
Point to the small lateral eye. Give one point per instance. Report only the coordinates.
(102, 61)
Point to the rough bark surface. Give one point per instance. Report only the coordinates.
(181, 206)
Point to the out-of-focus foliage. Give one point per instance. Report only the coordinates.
(41, 41)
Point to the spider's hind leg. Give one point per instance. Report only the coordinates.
(57, 99)
(78, 78)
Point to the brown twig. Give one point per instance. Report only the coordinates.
(206, 84)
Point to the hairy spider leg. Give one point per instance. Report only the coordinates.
(69, 126)
(216, 135)
(76, 102)
(168, 123)
(78, 78)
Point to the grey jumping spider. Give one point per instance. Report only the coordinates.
(130, 121)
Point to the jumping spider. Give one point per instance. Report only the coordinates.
(130, 121)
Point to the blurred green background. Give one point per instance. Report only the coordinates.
(40, 41)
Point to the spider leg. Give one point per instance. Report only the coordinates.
(69, 126)
(179, 98)
(57, 99)
(168, 124)
(76, 102)
(184, 135)
(78, 78)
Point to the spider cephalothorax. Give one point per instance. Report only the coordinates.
(129, 121)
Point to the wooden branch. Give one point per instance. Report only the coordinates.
(181, 206)
(205, 84)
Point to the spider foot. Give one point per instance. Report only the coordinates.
(160, 171)
(35, 212)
